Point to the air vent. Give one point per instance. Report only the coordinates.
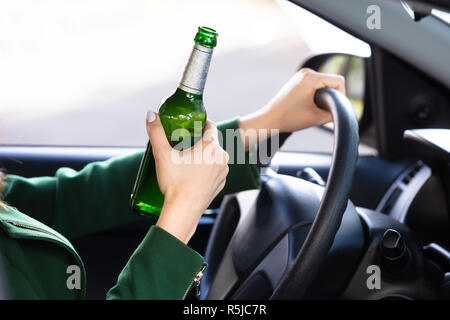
(391, 200)
(404, 187)
(412, 172)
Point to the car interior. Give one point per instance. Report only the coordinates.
(321, 222)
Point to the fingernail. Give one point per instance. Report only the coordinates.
(150, 116)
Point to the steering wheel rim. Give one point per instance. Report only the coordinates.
(282, 203)
(303, 271)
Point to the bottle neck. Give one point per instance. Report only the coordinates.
(195, 73)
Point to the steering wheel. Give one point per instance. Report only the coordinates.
(241, 244)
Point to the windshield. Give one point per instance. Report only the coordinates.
(84, 73)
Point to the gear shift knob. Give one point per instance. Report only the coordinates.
(394, 253)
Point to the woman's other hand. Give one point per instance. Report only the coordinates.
(293, 108)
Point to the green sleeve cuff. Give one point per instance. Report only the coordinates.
(162, 267)
(243, 174)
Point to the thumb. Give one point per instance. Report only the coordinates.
(156, 132)
(210, 131)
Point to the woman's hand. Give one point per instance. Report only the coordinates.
(293, 108)
(189, 179)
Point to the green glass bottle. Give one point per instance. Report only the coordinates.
(182, 110)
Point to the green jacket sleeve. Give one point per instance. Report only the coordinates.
(162, 267)
(97, 197)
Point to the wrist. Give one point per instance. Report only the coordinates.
(179, 217)
(264, 119)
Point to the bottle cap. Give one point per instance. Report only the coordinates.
(206, 37)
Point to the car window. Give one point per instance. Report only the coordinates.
(84, 72)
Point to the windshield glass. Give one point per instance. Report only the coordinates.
(85, 72)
